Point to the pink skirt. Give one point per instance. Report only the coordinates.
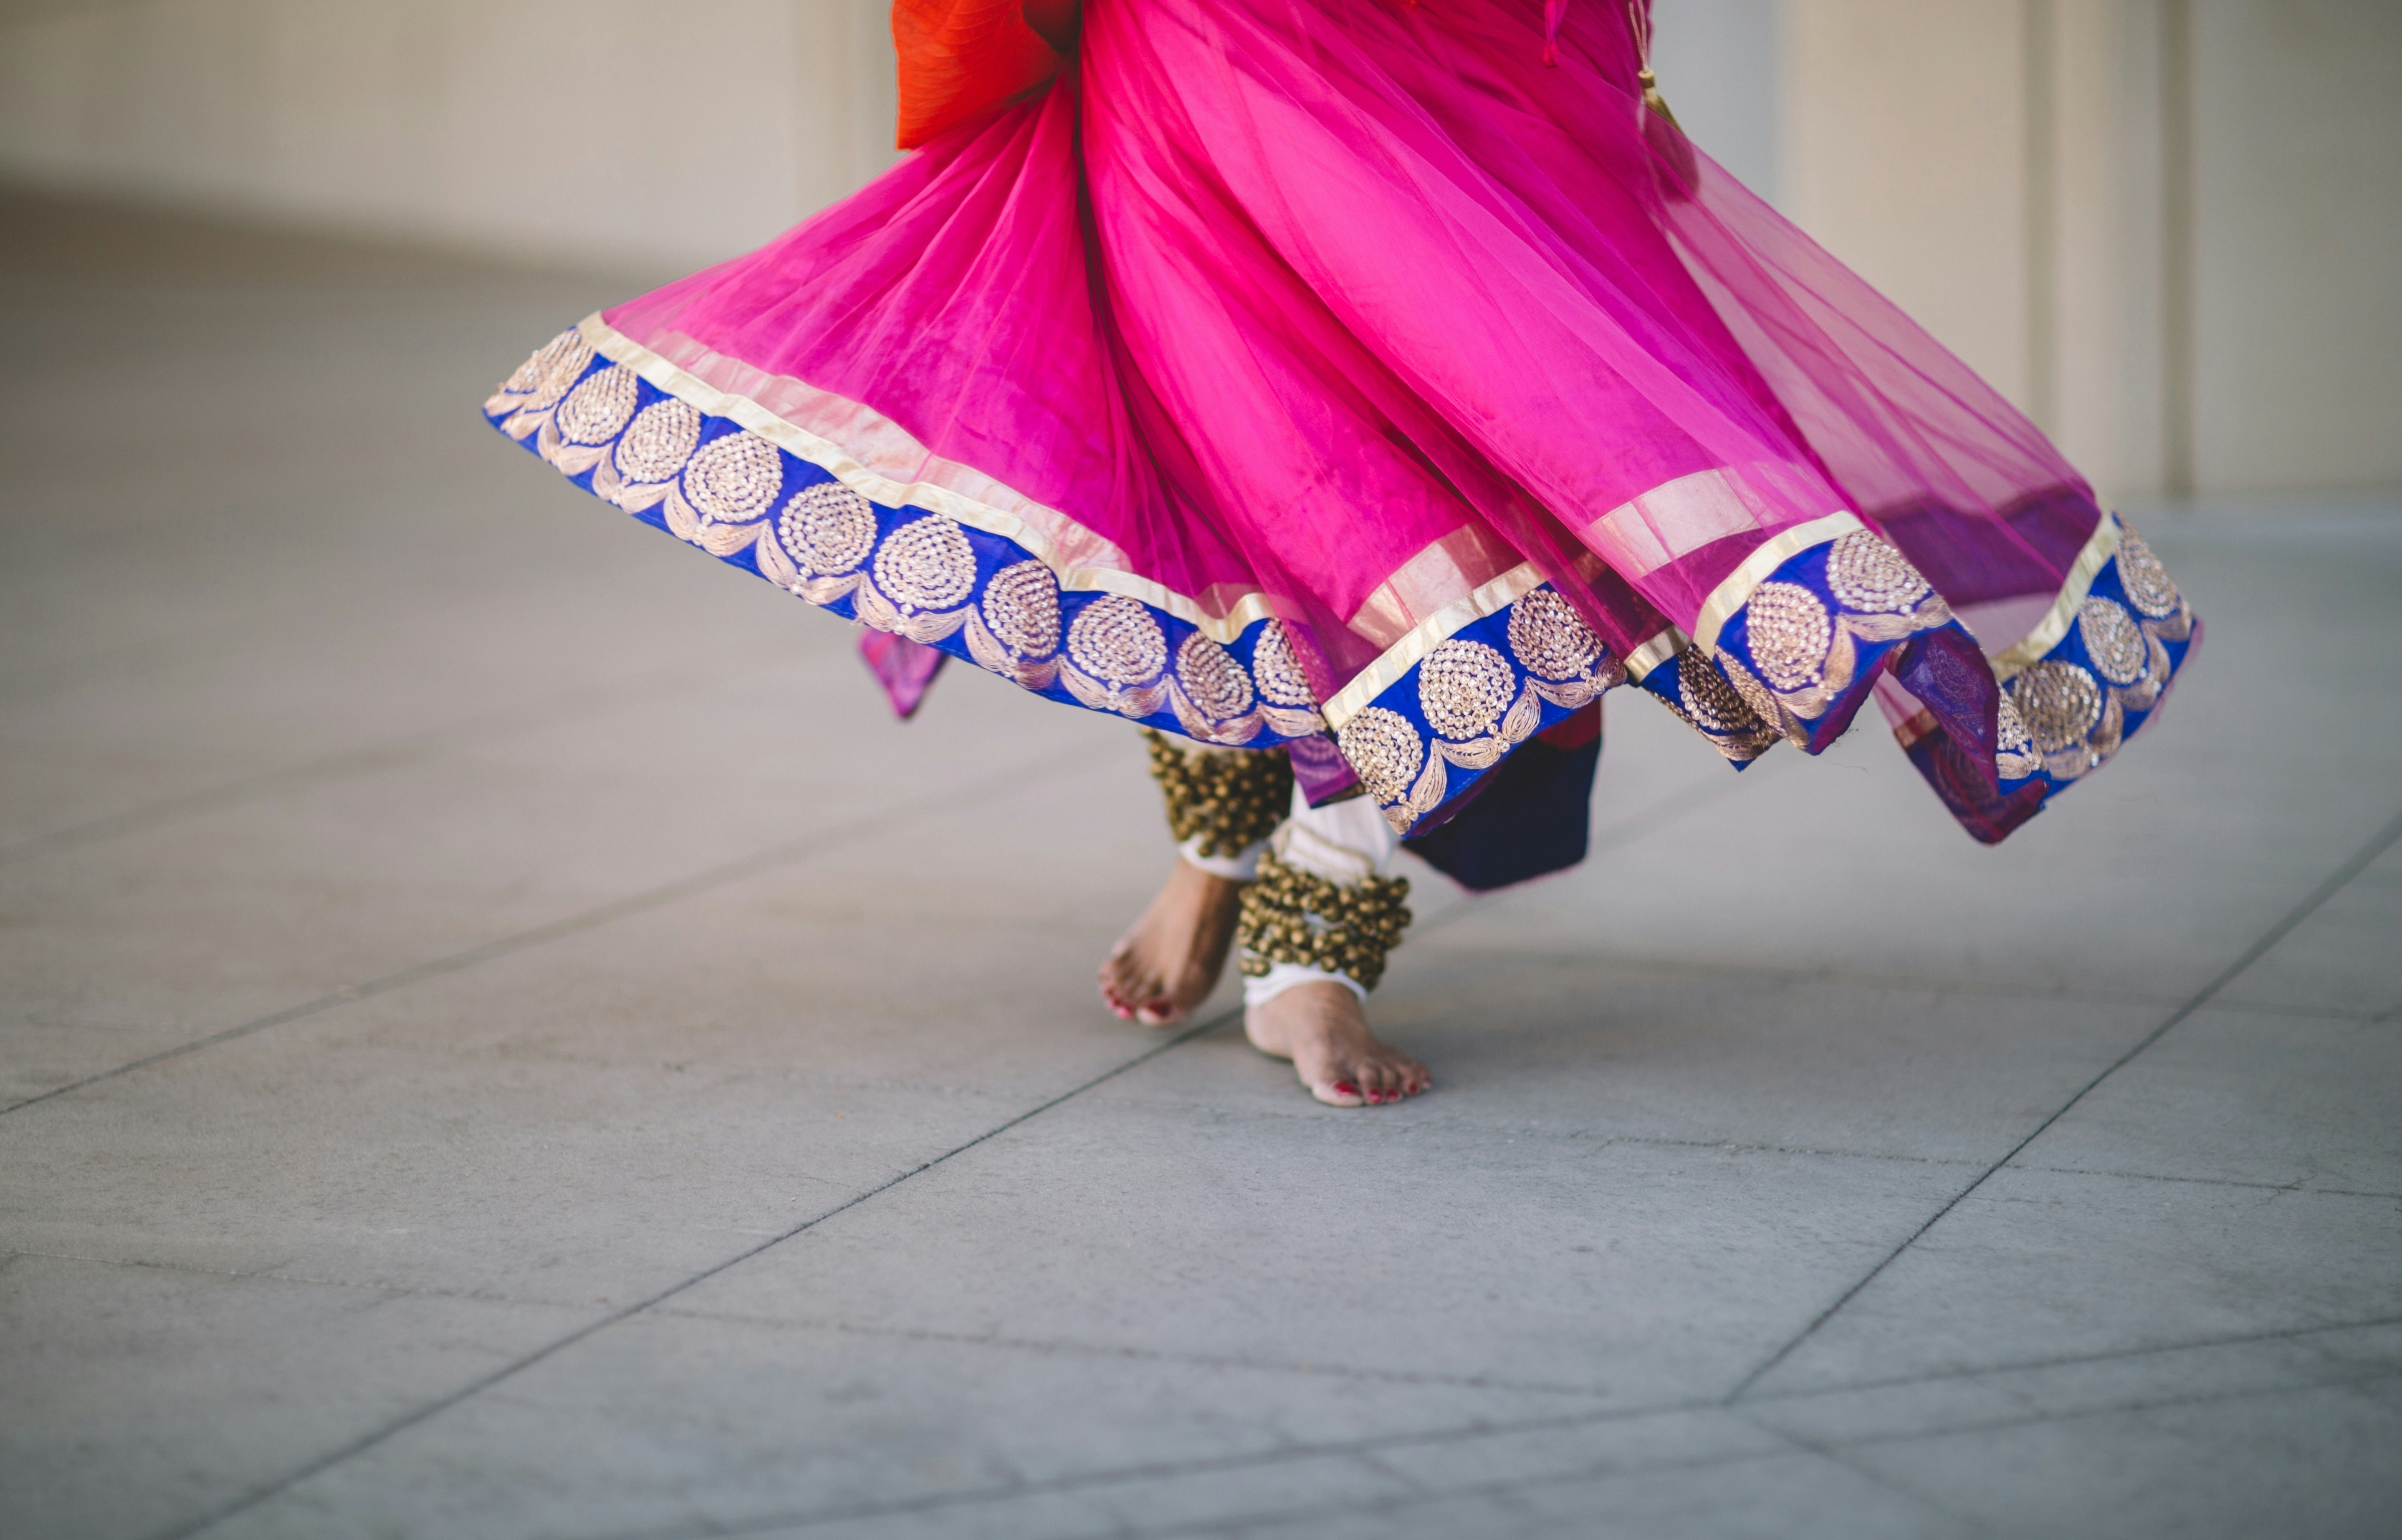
(1335, 373)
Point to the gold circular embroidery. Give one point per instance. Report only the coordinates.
(2009, 729)
(662, 438)
(734, 479)
(1277, 668)
(1385, 749)
(927, 564)
(827, 529)
(1867, 574)
(1549, 638)
(1755, 695)
(535, 370)
(1021, 607)
(1116, 640)
(1464, 687)
(2145, 579)
(596, 411)
(529, 373)
(1711, 700)
(550, 372)
(2059, 702)
(2112, 639)
(1789, 633)
(1212, 679)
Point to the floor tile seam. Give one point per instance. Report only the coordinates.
(1834, 1454)
(2296, 1185)
(1395, 1126)
(481, 731)
(2335, 883)
(1071, 1347)
(793, 852)
(274, 1275)
(1498, 1489)
(2228, 1006)
(2129, 1406)
(1138, 1475)
(694, 1071)
(2081, 1360)
(1881, 1157)
(485, 1381)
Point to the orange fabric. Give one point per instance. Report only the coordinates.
(963, 59)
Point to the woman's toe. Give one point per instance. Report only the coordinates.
(1339, 1094)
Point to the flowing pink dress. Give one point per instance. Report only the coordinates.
(1338, 373)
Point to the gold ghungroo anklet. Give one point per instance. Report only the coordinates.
(1230, 798)
(1289, 915)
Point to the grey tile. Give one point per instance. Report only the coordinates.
(683, 1423)
(2318, 1462)
(2246, 1095)
(179, 931)
(1992, 1400)
(1794, 1495)
(1642, 1273)
(1771, 1496)
(532, 1180)
(603, 1115)
(1734, 1055)
(2038, 1265)
(1500, 1460)
(2341, 959)
(140, 1398)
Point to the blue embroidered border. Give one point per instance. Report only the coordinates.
(2069, 712)
(1797, 660)
(976, 596)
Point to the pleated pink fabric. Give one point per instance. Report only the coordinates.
(1345, 309)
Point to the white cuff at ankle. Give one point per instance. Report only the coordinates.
(1280, 977)
(1241, 867)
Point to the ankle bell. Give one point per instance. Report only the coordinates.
(1224, 800)
(1289, 915)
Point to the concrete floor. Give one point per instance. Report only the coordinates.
(504, 1039)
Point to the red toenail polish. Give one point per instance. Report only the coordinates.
(1346, 1087)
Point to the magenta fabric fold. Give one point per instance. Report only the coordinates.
(1356, 307)
(904, 668)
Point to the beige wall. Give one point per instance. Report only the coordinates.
(587, 129)
(1998, 166)
(2297, 217)
(1903, 139)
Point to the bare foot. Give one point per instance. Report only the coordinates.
(1321, 1029)
(1170, 960)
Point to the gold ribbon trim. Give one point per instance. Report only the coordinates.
(987, 513)
(1489, 598)
(1736, 591)
(1660, 649)
(2047, 634)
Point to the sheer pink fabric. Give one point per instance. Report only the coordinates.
(1356, 307)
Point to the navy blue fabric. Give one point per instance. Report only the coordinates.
(1531, 815)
